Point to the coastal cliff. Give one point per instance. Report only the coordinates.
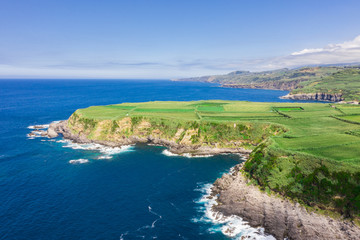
(174, 147)
(274, 85)
(280, 217)
(308, 83)
(182, 138)
(336, 97)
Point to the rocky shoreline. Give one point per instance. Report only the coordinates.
(61, 128)
(315, 97)
(271, 85)
(278, 216)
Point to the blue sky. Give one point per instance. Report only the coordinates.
(170, 39)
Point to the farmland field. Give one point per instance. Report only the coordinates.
(289, 109)
(353, 118)
(310, 126)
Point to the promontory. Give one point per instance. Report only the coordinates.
(301, 177)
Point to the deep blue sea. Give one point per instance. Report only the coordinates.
(135, 193)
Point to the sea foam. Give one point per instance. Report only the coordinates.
(188, 155)
(39, 130)
(232, 226)
(39, 126)
(107, 152)
(79, 161)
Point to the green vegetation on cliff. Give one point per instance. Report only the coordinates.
(205, 123)
(305, 151)
(329, 80)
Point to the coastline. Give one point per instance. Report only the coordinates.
(314, 97)
(278, 216)
(61, 128)
(235, 197)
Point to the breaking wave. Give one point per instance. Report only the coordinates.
(188, 155)
(39, 126)
(232, 226)
(79, 161)
(107, 152)
(39, 130)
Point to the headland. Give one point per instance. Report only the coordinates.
(303, 166)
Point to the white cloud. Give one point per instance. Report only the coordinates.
(349, 47)
(308, 50)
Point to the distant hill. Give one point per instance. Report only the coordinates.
(333, 83)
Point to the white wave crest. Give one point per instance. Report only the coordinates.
(232, 226)
(156, 214)
(79, 161)
(107, 152)
(188, 155)
(42, 126)
(105, 157)
(39, 126)
(169, 154)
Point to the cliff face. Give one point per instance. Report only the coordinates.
(276, 85)
(189, 137)
(280, 217)
(315, 97)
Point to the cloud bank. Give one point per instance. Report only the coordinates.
(348, 47)
(346, 52)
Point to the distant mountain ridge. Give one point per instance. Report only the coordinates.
(340, 80)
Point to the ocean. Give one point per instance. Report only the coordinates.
(133, 192)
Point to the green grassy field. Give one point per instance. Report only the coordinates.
(306, 151)
(289, 109)
(310, 126)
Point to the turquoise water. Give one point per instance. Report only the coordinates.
(132, 193)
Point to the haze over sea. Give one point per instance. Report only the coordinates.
(135, 192)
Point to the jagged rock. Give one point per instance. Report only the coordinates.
(51, 133)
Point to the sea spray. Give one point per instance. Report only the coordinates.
(79, 161)
(39, 131)
(39, 126)
(188, 155)
(232, 226)
(107, 152)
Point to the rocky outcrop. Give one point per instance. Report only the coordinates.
(174, 147)
(280, 217)
(51, 133)
(334, 97)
